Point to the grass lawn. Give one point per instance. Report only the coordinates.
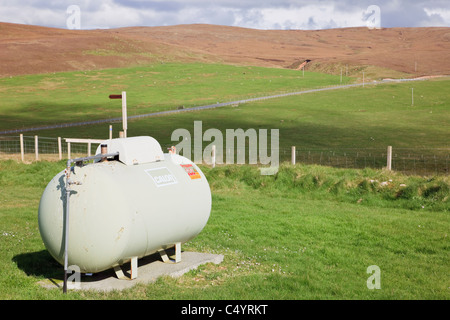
(307, 233)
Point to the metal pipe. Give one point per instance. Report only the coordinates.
(66, 217)
(66, 226)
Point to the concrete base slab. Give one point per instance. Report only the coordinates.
(150, 269)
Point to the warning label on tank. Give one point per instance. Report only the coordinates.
(161, 176)
(190, 170)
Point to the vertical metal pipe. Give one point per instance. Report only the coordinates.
(66, 215)
(66, 227)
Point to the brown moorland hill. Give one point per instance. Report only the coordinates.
(26, 49)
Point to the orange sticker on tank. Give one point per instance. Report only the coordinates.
(190, 170)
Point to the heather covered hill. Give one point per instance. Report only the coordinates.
(26, 49)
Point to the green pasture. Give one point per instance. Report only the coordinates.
(37, 100)
(309, 232)
(355, 123)
(348, 128)
(372, 117)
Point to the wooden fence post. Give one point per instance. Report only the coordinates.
(124, 114)
(59, 148)
(293, 155)
(389, 158)
(22, 151)
(68, 150)
(36, 147)
(89, 149)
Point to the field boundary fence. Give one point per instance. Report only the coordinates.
(416, 161)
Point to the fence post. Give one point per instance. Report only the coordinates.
(36, 147)
(213, 156)
(59, 148)
(389, 158)
(68, 150)
(22, 151)
(124, 113)
(293, 154)
(110, 132)
(89, 149)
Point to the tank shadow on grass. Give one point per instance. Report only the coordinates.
(42, 264)
(38, 264)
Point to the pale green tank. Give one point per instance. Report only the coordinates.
(129, 207)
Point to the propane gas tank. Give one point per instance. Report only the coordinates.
(140, 202)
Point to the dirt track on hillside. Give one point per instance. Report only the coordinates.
(29, 49)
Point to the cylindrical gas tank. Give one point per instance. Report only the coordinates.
(124, 208)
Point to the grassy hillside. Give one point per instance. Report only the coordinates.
(306, 233)
(345, 128)
(382, 112)
(37, 100)
(371, 117)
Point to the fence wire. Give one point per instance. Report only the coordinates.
(409, 161)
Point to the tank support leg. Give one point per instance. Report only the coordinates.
(177, 257)
(177, 252)
(163, 255)
(119, 273)
(134, 268)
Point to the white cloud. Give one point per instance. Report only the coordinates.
(110, 15)
(261, 14)
(28, 14)
(307, 17)
(438, 17)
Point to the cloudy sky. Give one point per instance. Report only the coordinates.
(259, 14)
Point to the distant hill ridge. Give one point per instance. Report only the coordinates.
(26, 49)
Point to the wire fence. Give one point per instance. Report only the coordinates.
(41, 148)
(410, 161)
(422, 162)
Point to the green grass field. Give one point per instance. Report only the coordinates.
(309, 232)
(371, 117)
(357, 123)
(43, 99)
